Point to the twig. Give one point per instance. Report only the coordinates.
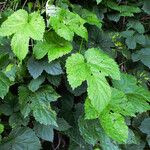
(24, 4)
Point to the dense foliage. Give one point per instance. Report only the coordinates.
(75, 75)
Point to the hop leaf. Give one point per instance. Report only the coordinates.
(23, 26)
(93, 68)
(66, 23)
(53, 45)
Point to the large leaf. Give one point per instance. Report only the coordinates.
(23, 26)
(38, 103)
(21, 138)
(4, 85)
(66, 24)
(93, 68)
(53, 45)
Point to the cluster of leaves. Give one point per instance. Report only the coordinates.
(75, 75)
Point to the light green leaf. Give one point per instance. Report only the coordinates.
(99, 91)
(120, 104)
(93, 68)
(24, 26)
(77, 70)
(1, 128)
(90, 112)
(114, 126)
(101, 62)
(15, 23)
(53, 45)
(98, 1)
(66, 23)
(21, 138)
(19, 44)
(4, 85)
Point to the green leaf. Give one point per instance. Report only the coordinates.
(36, 83)
(94, 70)
(77, 70)
(55, 48)
(16, 120)
(44, 132)
(19, 44)
(90, 112)
(98, 1)
(120, 104)
(145, 126)
(138, 26)
(101, 62)
(146, 6)
(126, 84)
(143, 55)
(66, 24)
(23, 26)
(21, 138)
(62, 125)
(102, 96)
(4, 85)
(124, 10)
(38, 103)
(114, 126)
(137, 96)
(37, 67)
(89, 16)
(92, 132)
(1, 128)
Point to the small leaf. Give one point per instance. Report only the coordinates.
(4, 85)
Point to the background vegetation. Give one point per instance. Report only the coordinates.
(74, 74)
